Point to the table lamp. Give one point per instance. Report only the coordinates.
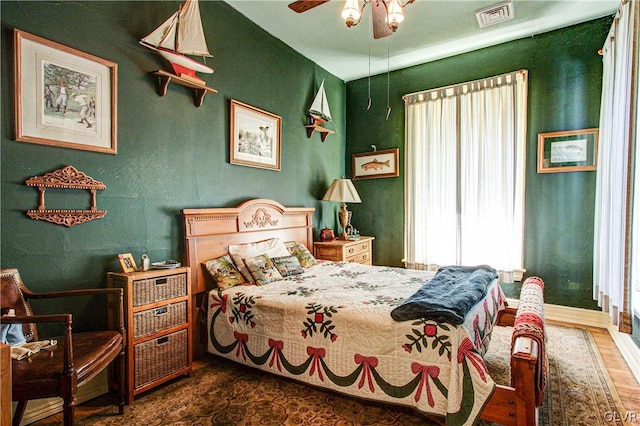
(343, 191)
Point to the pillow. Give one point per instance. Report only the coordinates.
(262, 269)
(288, 265)
(224, 272)
(273, 247)
(303, 254)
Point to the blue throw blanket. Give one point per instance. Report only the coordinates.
(448, 296)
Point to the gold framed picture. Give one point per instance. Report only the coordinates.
(375, 164)
(127, 262)
(255, 137)
(568, 151)
(63, 97)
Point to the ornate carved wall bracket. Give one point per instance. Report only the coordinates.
(67, 177)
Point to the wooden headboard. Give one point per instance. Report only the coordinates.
(208, 232)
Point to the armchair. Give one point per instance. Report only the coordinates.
(78, 357)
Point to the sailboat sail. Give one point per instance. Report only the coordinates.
(181, 34)
(191, 39)
(320, 106)
(164, 36)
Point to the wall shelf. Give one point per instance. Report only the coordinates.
(67, 177)
(317, 127)
(164, 78)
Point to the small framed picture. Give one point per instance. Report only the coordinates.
(127, 262)
(569, 151)
(376, 164)
(255, 137)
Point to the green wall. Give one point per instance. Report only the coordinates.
(171, 155)
(565, 77)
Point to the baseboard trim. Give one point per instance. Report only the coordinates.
(568, 314)
(630, 352)
(39, 409)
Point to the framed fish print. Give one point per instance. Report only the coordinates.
(255, 137)
(375, 164)
(63, 97)
(568, 151)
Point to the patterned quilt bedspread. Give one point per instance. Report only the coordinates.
(331, 327)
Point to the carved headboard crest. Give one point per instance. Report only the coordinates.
(261, 218)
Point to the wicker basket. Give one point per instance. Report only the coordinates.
(160, 357)
(157, 289)
(161, 318)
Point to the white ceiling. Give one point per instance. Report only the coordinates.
(433, 29)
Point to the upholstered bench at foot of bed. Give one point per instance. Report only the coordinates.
(516, 403)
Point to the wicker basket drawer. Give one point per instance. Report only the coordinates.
(163, 317)
(158, 289)
(160, 357)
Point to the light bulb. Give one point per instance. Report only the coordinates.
(395, 14)
(351, 12)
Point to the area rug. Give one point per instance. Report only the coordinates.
(221, 392)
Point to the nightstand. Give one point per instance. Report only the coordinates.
(358, 251)
(157, 306)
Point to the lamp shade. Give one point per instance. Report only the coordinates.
(342, 190)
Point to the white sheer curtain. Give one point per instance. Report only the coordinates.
(464, 174)
(611, 280)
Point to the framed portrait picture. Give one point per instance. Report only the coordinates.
(376, 164)
(255, 137)
(63, 97)
(568, 151)
(127, 262)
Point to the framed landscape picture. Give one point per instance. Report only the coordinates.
(568, 151)
(376, 164)
(63, 97)
(255, 137)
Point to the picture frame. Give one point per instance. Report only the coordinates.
(63, 97)
(375, 164)
(127, 262)
(568, 151)
(255, 137)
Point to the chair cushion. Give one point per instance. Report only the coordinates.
(39, 376)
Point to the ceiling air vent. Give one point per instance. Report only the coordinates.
(495, 14)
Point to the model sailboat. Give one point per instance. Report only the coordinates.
(319, 109)
(320, 114)
(181, 34)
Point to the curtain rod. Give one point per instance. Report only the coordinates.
(404, 97)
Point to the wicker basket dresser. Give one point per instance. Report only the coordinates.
(158, 322)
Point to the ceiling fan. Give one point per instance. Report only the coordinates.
(386, 14)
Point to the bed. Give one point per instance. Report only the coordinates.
(337, 332)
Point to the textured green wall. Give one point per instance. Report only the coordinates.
(565, 74)
(171, 155)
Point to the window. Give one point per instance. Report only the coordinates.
(465, 172)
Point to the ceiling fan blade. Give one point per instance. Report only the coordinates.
(304, 5)
(379, 15)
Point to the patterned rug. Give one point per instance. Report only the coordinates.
(220, 392)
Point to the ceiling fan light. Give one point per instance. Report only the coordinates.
(395, 14)
(351, 12)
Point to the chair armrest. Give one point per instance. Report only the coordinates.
(66, 319)
(116, 292)
(73, 293)
(63, 318)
